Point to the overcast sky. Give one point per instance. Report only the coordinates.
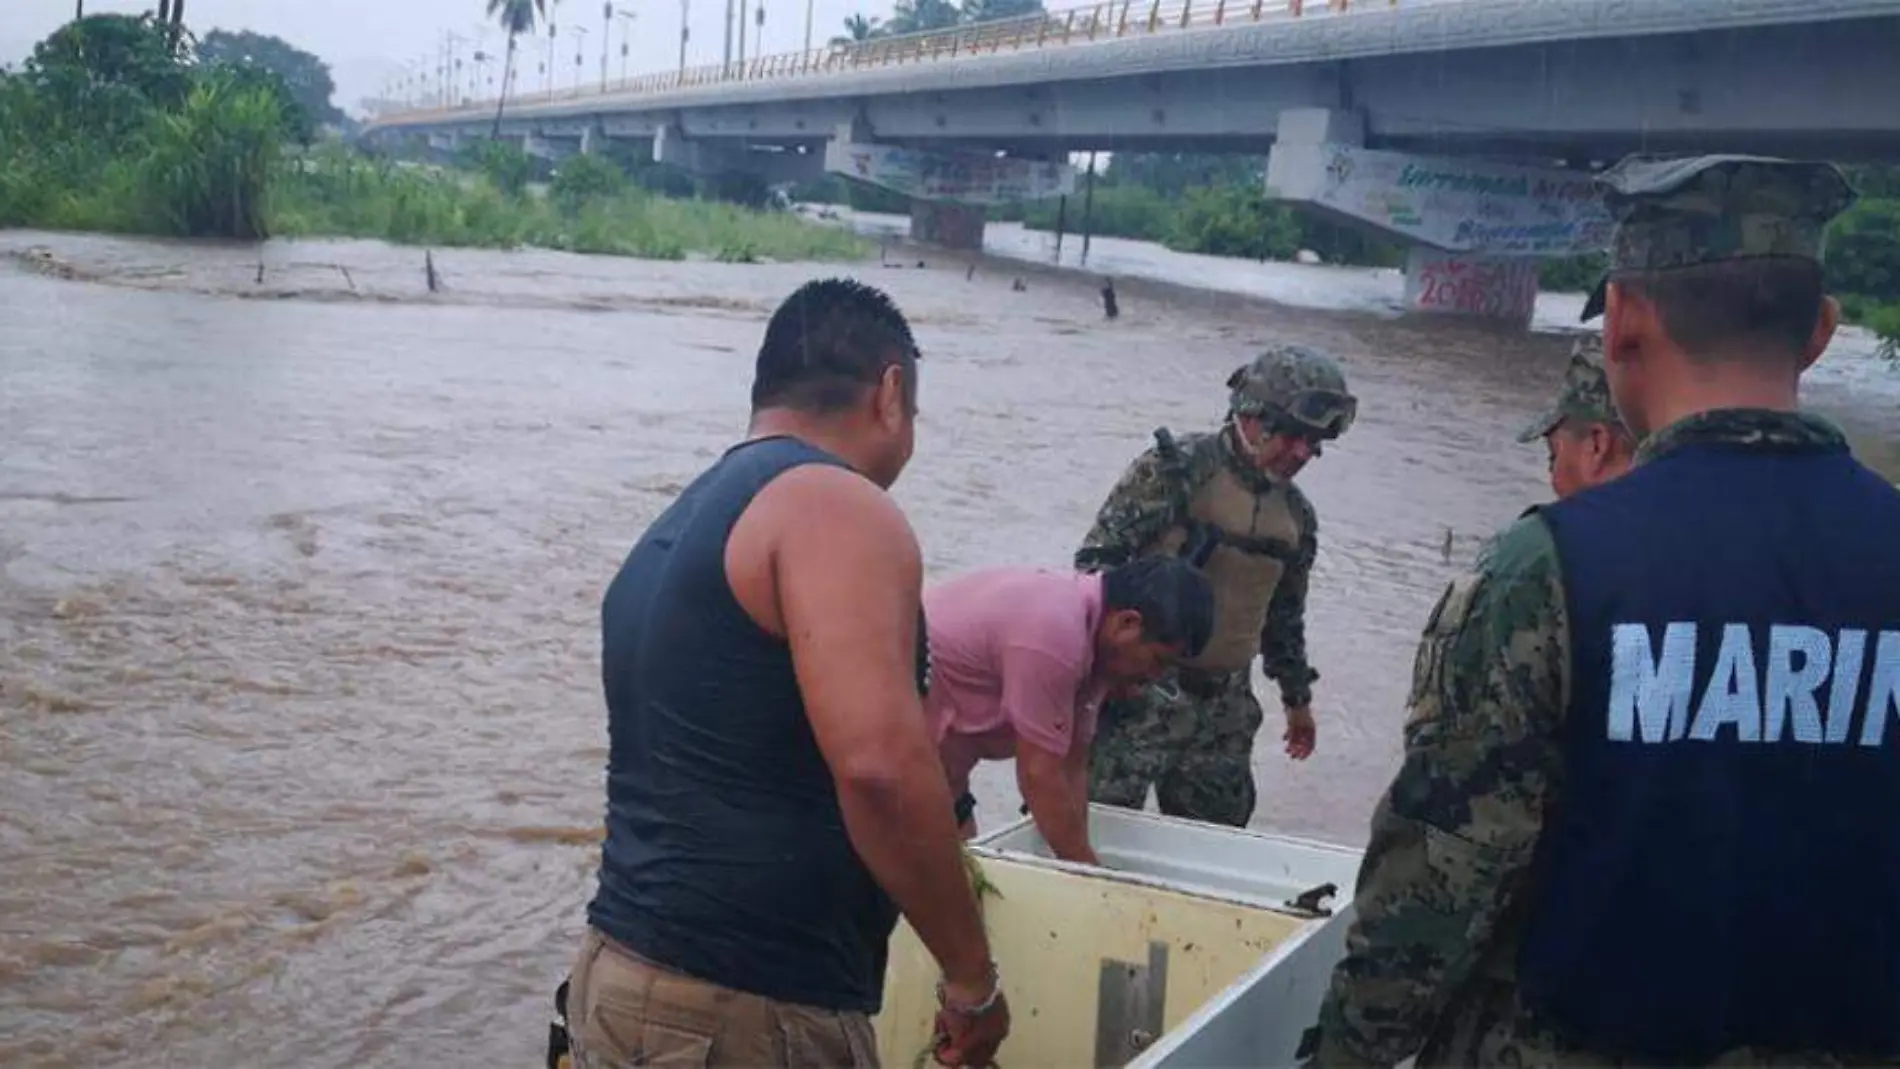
(367, 41)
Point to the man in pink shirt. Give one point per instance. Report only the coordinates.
(1022, 658)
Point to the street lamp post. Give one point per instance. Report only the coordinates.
(627, 19)
(554, 31)
(808, 25)
(580, 54)
(606, 35)
(685, 17)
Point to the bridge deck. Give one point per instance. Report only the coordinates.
(1126, 38)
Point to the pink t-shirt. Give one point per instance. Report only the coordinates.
(1011, 651)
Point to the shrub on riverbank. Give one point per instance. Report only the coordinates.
(589, 208)
(109, 128)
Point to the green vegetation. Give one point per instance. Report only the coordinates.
(131, 125)
(1214, 205)
(590, 206)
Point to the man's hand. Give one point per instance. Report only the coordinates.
(971, 1039)
(1300, 733)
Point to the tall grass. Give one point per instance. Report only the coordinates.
(207, 168)
(334, 193)
(202, 170)
(210, 159)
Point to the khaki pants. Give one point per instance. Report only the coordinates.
(623, 1010)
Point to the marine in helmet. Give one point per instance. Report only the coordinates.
(1226, 501)
(1586, 438)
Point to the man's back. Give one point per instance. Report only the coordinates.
(1724, 870)
(726, 856)
(1011, 649)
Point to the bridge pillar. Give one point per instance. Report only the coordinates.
(591, 138)
(545, 148)
(948, 223)
(1498, 288)
(1476, 230)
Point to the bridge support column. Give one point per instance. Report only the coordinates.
(1475, 230)
(591, 139)
(1498, 288)
(546, 148)
(948, 223)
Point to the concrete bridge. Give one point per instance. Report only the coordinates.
(1393, 114)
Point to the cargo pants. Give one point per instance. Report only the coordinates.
(623, 1010)
(1189, 736)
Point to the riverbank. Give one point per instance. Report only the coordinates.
(113, 126)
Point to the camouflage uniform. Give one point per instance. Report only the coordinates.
(1443, 893)
(1191, 734)
(1584, 396)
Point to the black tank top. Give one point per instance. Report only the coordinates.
(726, 856)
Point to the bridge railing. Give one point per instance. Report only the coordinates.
(1104, 20)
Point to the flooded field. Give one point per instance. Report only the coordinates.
(300, 732)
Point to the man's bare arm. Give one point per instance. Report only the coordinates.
(848, 589)
(1076, 764)
(1049, 789)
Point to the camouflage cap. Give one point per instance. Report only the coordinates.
(1585, 396)
(1707, 209)
(1294, 381)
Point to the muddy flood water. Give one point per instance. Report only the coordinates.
(300, 730)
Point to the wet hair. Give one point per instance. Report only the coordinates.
(1757, 308)
(829, 342)
(1174, 598)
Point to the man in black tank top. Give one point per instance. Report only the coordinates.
(773, 798)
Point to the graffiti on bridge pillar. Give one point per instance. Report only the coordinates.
(1463, 284)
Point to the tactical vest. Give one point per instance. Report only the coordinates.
(1257, 535)
(1723, 869)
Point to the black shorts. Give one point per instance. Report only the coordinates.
(965, 808)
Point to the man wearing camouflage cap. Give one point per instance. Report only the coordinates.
(1227, 502)
(1649, 811)
(1587, 442)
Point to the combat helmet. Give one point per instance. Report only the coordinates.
(1294, 388)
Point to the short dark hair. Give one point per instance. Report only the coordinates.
(828, 342)
(1174, 598)
(1762, 307)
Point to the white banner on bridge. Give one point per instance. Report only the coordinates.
(1452, 204)
(964, 177)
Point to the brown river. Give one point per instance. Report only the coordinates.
(300, 735)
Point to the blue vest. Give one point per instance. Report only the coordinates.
(1723, 867)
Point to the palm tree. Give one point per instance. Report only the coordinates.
(171, 20)
(857, 28)
(917, 16)
(516, 18)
